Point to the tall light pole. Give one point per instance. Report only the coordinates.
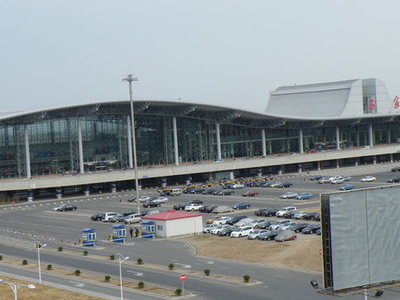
(121, 259)
(39, 246)
(15, 286)
(129, 78)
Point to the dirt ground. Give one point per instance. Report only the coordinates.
(302, 253)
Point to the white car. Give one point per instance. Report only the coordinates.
(222, 220)
(288, 195)
(238, 186)
(337, 180)
(255, 235)
(368, 179)
(284, 210)
(134, 218)
(255, 222)
(280, 223)
(109, 215)
(299, 215)
(243, 222)
(193, 207)
(242, 231)
(160, 200)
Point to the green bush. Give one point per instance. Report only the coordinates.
(107, 278)
(207, 272)
(112, 256)
(24, 262)
(85, 253)
(140, 284)
(139, 261)
(171, 266)
(60, 249)
(178, 292)
(1, 257)
(77, 272)
(49, 267)
(246, 278)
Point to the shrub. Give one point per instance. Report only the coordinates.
(49, 267)
(85, 253)
(171, 266)
(246, 278)
(107, 278)
(139, 261)
(24, 262)
(178, 292)
(112, 256)
(207, 272)
(60, 249)
(77, 272)
(140, 284)
(1, 257)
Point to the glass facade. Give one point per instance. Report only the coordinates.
(54, 143)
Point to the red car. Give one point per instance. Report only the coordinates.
(250, 194)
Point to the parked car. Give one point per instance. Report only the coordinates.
(304, 196)
(264, 225)
(336, 179)
(180, 206)
(299, 215)
(260, 212)
(220, 209)
(255, 235)
(250, 194)
(226, 230)
(222, 220)
(324, 180)
(128, 212)
(297, 227)
(226, 192)
(269, 235)
(116, 219)
(283, 210)
(97, 217)
(255, 223)
(285, 235)
(65, 207)
(395, 169)
(288, 195)
(108, 216)
(134, 218)
(243, 222)
(284, 185)
(198, 190)
(270, 212)
(216, 230)
(235, 219)
(160, 200)
(242, 231)
(368, 179)
(279, 224)
(208, 227)
(311, 228)
(193, 207)
(315, 177)
(141, 199)
(151, 203)
(312, 216)
(241, 205)
(237, 186)
(393, 180)
(346, 187)
(208, 208)
(209, 191)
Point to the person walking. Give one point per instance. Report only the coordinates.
(131, 232)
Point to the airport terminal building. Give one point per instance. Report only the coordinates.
(302, 127)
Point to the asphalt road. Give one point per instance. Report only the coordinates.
(21, 225)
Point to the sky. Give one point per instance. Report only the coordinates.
(223, 52)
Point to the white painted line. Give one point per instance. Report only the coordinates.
(185, 266)
(135, 273)
(77, 284)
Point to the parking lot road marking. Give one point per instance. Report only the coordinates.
(77, 284)
(135, 273)
(208, 262)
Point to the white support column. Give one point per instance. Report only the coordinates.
(301, 147)
(175, 141)
(130, 156)
(80, 147)
(370, 135)
(27, 153)
(337, 138)
(218, 141)
(264, 146)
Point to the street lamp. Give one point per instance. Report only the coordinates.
(129, 78)
(39, 246)
(121, 259)
(14, 287)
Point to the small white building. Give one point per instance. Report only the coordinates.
(173, 223)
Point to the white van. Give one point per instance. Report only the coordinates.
(175, 192)
(134, 218)
(109, 215)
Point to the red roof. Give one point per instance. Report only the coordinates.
(171, 215)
